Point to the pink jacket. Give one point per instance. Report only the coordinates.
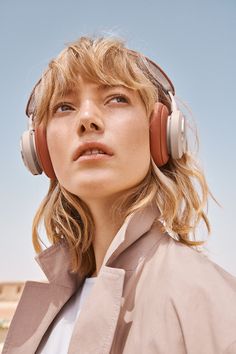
(152, 295)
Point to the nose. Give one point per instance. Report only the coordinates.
(89, 119)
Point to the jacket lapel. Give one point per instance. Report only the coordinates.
(40, 302)
(94, 331)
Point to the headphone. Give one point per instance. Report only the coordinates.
(167, 131)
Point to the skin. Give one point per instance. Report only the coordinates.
(115, 116)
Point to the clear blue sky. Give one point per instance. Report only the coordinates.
(194, 41)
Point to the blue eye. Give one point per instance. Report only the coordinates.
(63, 107)
(120, 99)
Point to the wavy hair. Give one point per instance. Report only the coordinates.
(179, 188)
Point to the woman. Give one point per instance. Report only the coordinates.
(125, 273)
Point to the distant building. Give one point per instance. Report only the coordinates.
(10, 293)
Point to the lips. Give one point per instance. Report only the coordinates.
(90, 146)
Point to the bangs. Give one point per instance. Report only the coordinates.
(102, 61)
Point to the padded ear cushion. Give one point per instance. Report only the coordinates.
(158, 134)
(42, 151)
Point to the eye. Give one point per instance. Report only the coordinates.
(119, 99)
(63, 107)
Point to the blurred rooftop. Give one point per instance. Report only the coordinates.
(10, 293)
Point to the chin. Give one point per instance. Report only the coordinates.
(94, 185)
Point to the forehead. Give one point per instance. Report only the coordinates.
(68, 91)
(82, 84)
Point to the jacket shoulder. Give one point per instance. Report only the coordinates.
(193, 267)
(199, 293)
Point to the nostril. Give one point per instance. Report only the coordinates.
(83, 129)
(94, 126)
(87, 126)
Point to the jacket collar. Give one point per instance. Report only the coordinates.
(54, 261)
(134, 227)
(44, 300)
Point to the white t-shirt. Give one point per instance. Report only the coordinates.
(58, 338)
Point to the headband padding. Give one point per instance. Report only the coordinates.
(158, 134)
(42, 151)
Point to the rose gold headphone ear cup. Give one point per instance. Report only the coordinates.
(28, 152)
(177, 133)
(42, 151)
(158, 134)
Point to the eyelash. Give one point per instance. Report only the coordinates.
(120, 96)
(61, 104)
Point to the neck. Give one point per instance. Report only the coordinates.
(105, 229)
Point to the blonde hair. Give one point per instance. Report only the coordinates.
(179, 188)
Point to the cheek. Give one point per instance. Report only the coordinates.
(56, 147)
(137, 137)
(52, 141)
(136, 146)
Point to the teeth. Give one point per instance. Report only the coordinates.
(93, 152)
